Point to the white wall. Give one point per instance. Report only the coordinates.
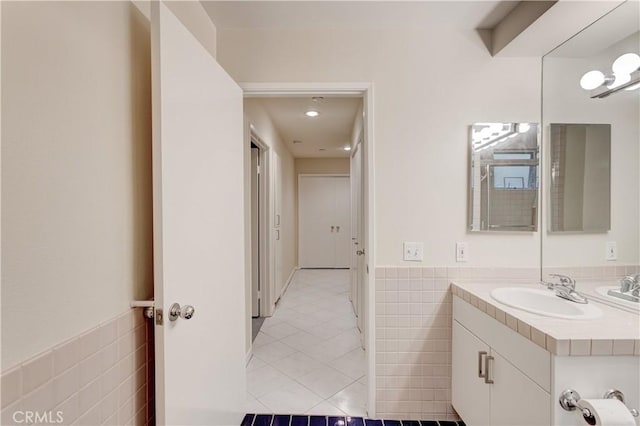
(429, 86)
(565, 102)
(76, 177)
(264, 128)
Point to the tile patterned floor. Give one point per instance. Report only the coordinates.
(307, 357)
(286, 420)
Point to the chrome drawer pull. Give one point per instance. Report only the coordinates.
(487, 371)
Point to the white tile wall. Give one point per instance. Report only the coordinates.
(413, 337)
(104, 376)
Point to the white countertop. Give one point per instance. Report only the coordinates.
(616, 332)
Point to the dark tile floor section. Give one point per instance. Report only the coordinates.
(286, 420)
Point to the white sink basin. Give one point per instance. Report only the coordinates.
(544, 302)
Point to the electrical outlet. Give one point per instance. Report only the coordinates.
(412, 252)
(462, 252)
(611, 252)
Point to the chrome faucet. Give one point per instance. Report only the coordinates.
(630, 284)
(565, 288)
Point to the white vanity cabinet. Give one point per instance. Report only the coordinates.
(498, 376)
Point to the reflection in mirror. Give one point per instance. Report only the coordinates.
(614, 251)
(580, 198)
(503, 193)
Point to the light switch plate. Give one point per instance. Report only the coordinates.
(611, 250)
(412, 252)
(462, 252)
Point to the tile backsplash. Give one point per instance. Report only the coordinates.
(103, 376)
(413, 332)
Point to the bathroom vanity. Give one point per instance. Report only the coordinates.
(509, 366)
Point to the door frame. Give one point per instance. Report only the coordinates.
(365, 90)
(265, 250)
(312, 175)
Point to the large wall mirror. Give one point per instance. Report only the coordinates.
(504, 176)
(591, 146)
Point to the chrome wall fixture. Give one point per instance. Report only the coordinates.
(625, 76)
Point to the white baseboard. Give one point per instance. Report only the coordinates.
(286, 284)
(249, 355)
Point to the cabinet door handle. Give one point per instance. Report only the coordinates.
(480, 362)
(487, 371)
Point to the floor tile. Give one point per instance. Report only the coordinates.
(255, 363)
(326, 409)
(281, 420)
(262, 339)
(252, 405)
(279, 331)
(312, 341)
(262, 420)
(297, 365)
(293, 398)
(317, 421)
(299, 420)
(325, 381)
(266, 379)
(352, 400)
(273, 351)
(353, 363)
(248, 420)
(336, 421)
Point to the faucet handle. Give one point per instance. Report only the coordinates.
(564, 279)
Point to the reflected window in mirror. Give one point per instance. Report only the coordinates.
(504, 177)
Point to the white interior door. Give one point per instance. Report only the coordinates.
(324, 222)
(198, 229)
(342, 220)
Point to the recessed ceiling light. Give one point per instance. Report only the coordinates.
(296, 141)
(317, 98)
(347, 148)
(321, 149)
(311, 113)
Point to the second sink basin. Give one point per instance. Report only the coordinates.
(544, 302)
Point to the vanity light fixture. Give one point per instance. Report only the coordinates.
(626, 75)
(312, 113)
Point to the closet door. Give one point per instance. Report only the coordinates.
(342, 222)
(316, 227)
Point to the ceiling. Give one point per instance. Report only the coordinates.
(323, 136)
(356, 14)
(618, 24)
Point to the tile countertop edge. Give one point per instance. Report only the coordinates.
(575, 338)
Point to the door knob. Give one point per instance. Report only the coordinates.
(360, 252)
(185, 312)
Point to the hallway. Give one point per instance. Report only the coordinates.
(307, 358)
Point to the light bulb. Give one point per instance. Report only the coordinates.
(620, 79)
(347, 148)
(311, 113)
(626, 64)
(523, 127)
(592, 80)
